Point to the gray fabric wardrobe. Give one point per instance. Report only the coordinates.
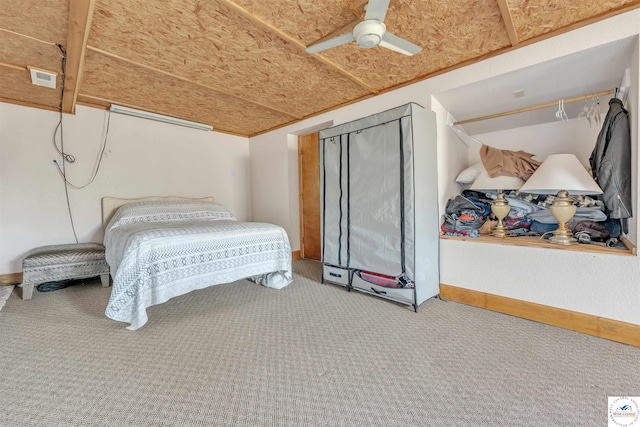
(379, 206)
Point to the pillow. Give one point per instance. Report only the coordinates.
(470, 174)
(169, 211)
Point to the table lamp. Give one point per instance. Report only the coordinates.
(561, 174)
(500, 206)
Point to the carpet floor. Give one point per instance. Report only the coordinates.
(307, 355)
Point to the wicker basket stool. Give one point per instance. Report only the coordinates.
(63, 262)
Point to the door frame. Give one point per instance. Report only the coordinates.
(300, 196)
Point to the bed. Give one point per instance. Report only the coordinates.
(161, 247)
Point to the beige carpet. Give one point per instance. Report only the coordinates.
(306, 355)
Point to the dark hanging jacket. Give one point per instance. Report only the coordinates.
(611, 162)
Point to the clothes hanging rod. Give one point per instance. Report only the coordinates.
(535, 107)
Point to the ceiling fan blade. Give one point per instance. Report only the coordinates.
(347, 28)
(377, 9)
(343, 39)
(399, 45)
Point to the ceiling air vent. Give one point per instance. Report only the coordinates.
(43, 78)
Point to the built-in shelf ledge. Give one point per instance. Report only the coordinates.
(537, 242)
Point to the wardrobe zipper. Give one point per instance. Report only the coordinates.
(340, 204)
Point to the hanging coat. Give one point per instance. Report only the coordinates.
(611, 161)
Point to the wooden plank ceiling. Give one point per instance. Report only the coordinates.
(241, 65)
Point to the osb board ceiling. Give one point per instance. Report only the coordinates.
(45, 20)
(18, 50)
(29, 31)
(534, 18)
(241, 65)
(16, 85)
(472, 29)
(257, 65)
(135, 85)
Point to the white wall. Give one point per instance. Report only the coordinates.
(601, 285)
(270, 182)
(453, 157)
(633, 104)
(142, 158)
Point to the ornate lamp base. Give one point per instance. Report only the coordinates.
(563, 210)
(500, 208)
(563, 236)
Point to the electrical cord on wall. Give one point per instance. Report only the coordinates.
(69, 158)
(65, 157)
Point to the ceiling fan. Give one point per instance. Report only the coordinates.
(370, 33)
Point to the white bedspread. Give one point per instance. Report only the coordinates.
(159, 251)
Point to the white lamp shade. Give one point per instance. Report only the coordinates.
(561, 172)
(485, 183)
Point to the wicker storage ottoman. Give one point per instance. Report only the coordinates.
(63, 262)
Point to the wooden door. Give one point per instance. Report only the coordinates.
(309, 184)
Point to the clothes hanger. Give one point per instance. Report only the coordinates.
(594, 111)
(585, 112)
(561, 114)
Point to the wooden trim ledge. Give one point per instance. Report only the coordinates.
(10, 279)
(614, 330)
(537, 242)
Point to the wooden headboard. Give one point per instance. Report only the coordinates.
(111, 204)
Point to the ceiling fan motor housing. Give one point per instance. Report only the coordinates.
(369, 33)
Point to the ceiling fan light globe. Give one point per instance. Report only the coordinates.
(369, 40)
(369, 33)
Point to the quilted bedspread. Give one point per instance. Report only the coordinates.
(157, 251)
